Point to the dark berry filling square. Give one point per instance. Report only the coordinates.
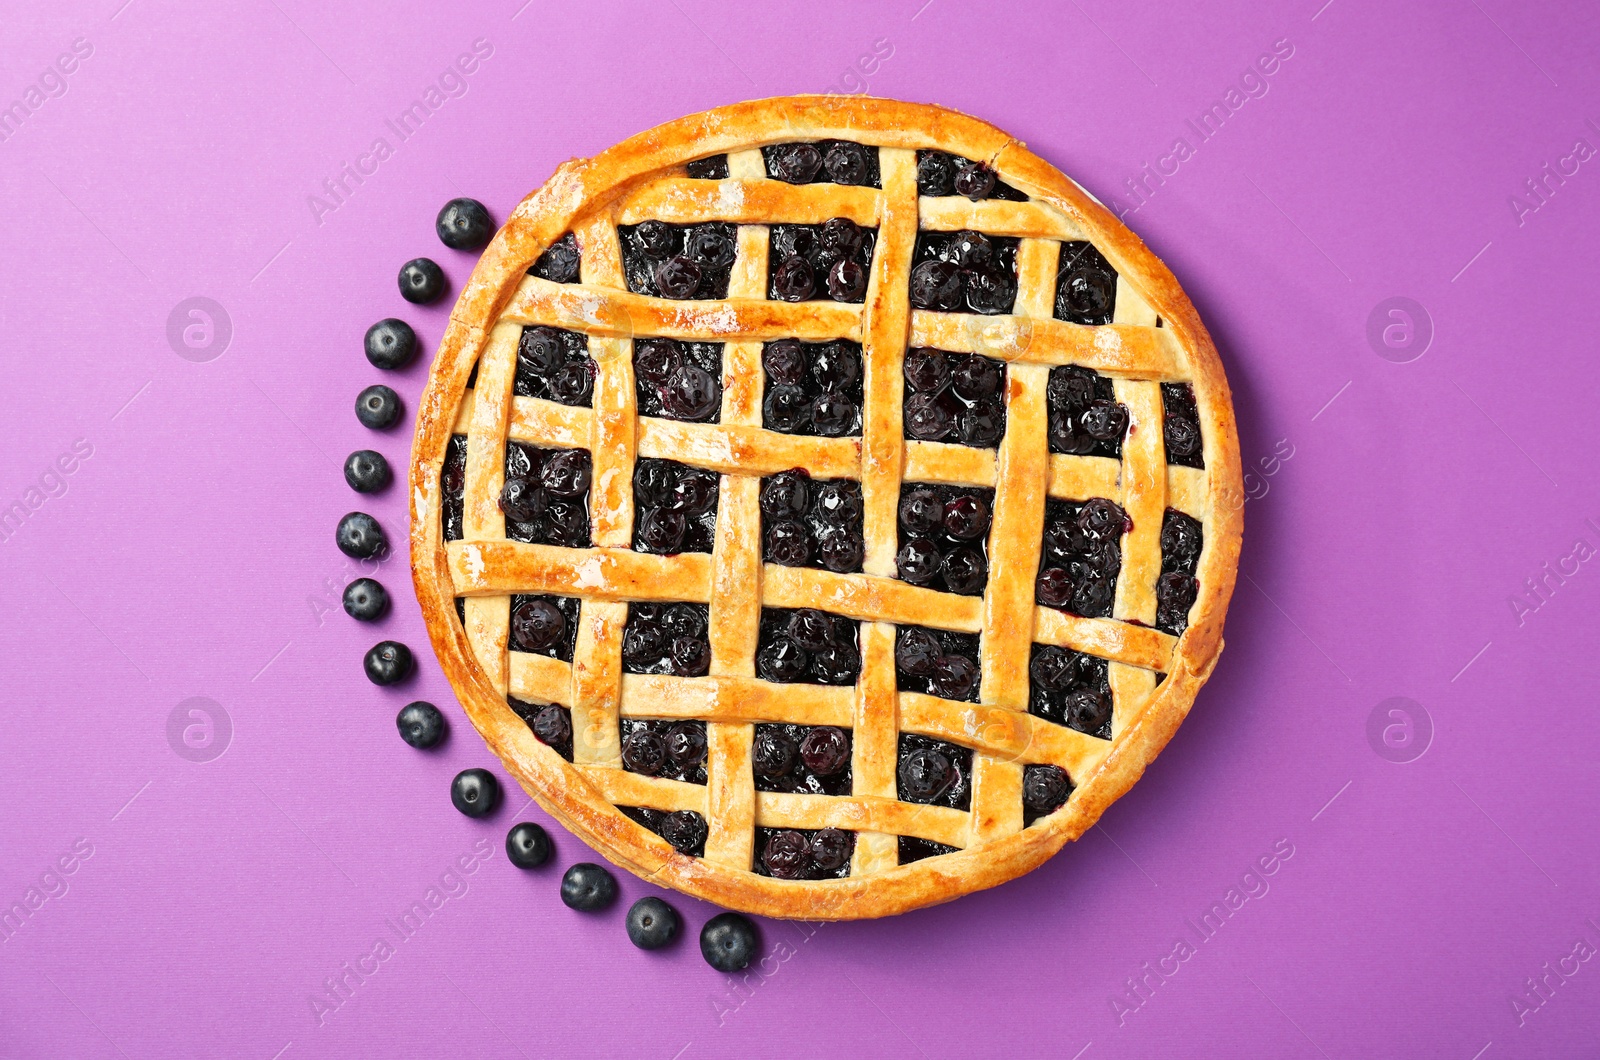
(1181, 425)
(1081, 557)
(940, 173)
(1085, 417)
(1181, 541)
(1086, 285)
(826, 161)
(808, 522)
(914, 849)
(672, 750)
(544, 625)
(801, 759)
(954, 397)
(684, 829)
(1071, 689)
(546, 495)
(674, 507)
(937, 662)
(964, 272)
(678, 261)
(666, 639)
(453, 487)
(550, 724)
(812, 387)
(554, 364)
(803, 854)
(933, 772)
(830, 260)
(807, 646)
(1044, 791)
(678, 380)
(558, 264)
(944, 537)
(461, 609)
(713, 168)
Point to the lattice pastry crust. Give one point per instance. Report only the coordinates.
(1155, 337)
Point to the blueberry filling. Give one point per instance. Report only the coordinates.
(666, 639)
(1085, 418)
(544, 625)
(937, 662)
(1181, 425)
(955, 272)
(550, 724)
(684, 829)
(807, 646)
(1181, 541)
(713, 168)
(830, 260)
(675, 507)
(944, 537)
(954, 397)
(1082, 556)
(803, 854)
(812, 387)
(1071, 689)
(826, 161)
(678, 261)
(559, 263)
(1044, 790)
(672, 750)
(914, 849)
(546, 495)
(940, 173)
(933, 772)
(453, 487)
(808, 522)
(554, 364)
(806, 760)
(678, 380)
(1086, 285)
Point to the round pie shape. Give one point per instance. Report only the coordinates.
(1155, 337)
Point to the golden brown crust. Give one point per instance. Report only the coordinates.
(642, 177)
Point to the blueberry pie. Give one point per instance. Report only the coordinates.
(824, 506)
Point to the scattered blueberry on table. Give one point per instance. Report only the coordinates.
(390, 344)
(652, 923)
(388, 663)
(420, 724)
(464, 224)
(475, 792)
(360, 537)
(588, 887)
(728, 942)
(366, 471)
(421, 281)
(527, 845)
(365, 600)
(378, 407)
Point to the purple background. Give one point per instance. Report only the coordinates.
(192, 555)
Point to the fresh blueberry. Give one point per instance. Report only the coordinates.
(728, 942)
(421, 281)
(365, 600)
(527, 845)
(587, 887)
(652, 923)
(388, 663)
(420, 724)
(475, 792)
(366, 471)
(464, 224)
(360, 537)
(391, 344)
(377, 407)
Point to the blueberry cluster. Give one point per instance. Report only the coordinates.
(811, 523)
(453, 486)
(666, 639)
(1071, 689)
(558, 264)
(684, 829)
(550, 723)
(835, 161)
(964, 271)
(941, 173)
(546, 495)
(1082, 556)
(1181, 425)
(807, 646)
(1181, 542)
(936, 662)
(806, 760)
(954, 397)
(803, 854)
(678, 380)
(713, 168)
(1086, 285)
(675, 507)
(1085, 418)
(672, 750)
(554, 364)
(807, 261)
(933, 772)
(944, 532)
(544, 625)
(1044, 790)
(678, 261)
(812, 387)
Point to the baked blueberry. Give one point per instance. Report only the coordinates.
(366, 471)
(795, 163)
(652, 923)
(550, 724)
(452, 487)
(559, 263)
(729, 942)
(1181, 427)
(666, 639)
(936, 173)
(527, 845)
(388, 663)
(588, 887)
(786, 855)
(825, 750)
(537, 624)
(686, 831)
(464, 224)
(420, 724)
(390, 344)
(644, 752)
(1086, 285)
(1044, 790)
(421, 281)
(974, 180)
(475, 792)
(365, 600)
(936, 285)
(1081, 560)
(360, 537)
(713, 168)
(831, 849)
(377, 407)
(933, 772)
(794, 280)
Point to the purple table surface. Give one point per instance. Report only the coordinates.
(1401, 729)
